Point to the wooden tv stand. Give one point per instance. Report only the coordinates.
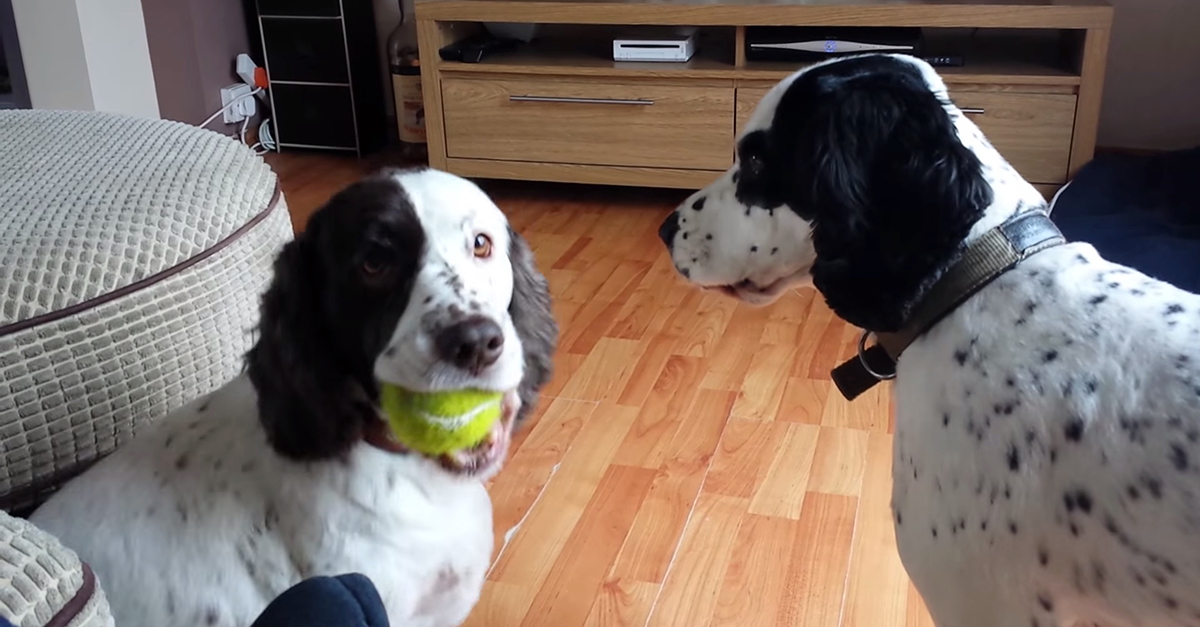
(559, 109)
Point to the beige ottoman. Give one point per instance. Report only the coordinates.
(132, 256)
(42, 584)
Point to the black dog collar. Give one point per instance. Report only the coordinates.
(996, 252)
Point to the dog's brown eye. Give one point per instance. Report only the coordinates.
(483, 246)
(374, 263)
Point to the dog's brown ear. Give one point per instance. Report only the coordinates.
(533, 317)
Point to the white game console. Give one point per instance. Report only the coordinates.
(667, 47)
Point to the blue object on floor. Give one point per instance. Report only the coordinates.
(1139, 211)
(4, 622)
(344, 601)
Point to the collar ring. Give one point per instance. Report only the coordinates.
(862, 358)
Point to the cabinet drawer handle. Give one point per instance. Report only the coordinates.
(973, 110)
(617, 101)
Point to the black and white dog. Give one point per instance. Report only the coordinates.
(409, 277)
(1047, 450)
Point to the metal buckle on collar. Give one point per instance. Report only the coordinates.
(862, 359)
(857, 375)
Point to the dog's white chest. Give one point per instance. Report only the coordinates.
(449, 560)
(426, 545)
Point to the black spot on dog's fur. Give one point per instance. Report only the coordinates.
(1084, 499)
(699, 204)
(1179, 457)
(1153, 485)
(1074, 429)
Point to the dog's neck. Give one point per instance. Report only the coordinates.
(1011, 193)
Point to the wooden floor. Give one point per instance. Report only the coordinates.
(691, 463)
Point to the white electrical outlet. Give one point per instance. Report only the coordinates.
(237, 112)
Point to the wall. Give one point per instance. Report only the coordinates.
(86, 55)
(1152, 89)
(56, 67)
(193, 44)
(118, 57)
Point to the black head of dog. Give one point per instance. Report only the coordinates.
(859, 173)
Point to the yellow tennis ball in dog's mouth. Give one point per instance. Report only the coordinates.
(437, 423)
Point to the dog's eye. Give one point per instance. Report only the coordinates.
(483, 246)
(752, 163)
(374, 262)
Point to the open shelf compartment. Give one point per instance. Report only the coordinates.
(994, 56)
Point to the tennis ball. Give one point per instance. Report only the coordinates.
(436, 423)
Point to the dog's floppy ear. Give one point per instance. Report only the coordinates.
(310, 403)
(534, 321)
(891, 190)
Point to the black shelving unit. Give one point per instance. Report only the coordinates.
(322, 62)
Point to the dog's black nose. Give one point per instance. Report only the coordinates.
(669, 228)
(473, 344)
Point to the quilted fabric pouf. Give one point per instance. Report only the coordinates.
(132, 256)
(43, 584)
